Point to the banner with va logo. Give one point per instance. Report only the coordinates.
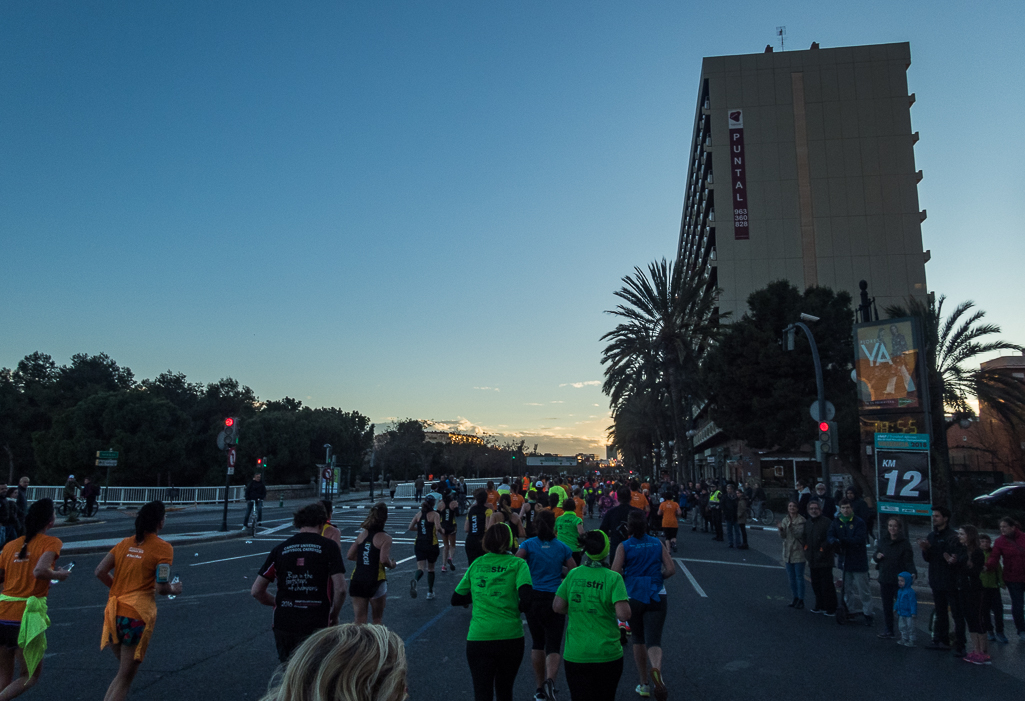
(888, 365)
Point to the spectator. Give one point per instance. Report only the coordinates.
(893, 556)
(743, 512)
(70, 492)
(90, 491)
(1010, 547)
(418, 488)
(614, 522)
(819, 555)
(310, 577)
(729, 515)
(803, 497)
(355, 662)
(791, 530)
(941, 542)
(861, 510)
(847, 532)
(714, 513)
(21, 504)
(969, 562)
(393, 485)
(993, 603)
(906, 607)
(825, 501)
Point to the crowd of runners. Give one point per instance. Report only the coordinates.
(586, 594)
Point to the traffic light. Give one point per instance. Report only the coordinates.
(231, 431)
(259, 464)
(828, 440)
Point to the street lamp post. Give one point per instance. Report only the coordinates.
(823, 458)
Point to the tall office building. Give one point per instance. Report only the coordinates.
(802, 167)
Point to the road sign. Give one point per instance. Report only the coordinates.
(220, 441)
(814, 411)
(231, 458)
(106, 454)
(328, 473)
(106, 463)
(903, 474)
(231, 470)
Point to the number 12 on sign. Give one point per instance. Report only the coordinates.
(903, 482)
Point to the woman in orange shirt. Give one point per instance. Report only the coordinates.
(26, 569)
(141, 566)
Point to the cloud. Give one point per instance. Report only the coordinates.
(537, 404)
(489, 389)
(556, 401)
(578, 385)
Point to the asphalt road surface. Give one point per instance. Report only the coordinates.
(729, 634)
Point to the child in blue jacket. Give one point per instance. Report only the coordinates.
(906, 608)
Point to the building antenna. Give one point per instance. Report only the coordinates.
(781, 32)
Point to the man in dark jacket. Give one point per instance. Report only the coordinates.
(942, 581)
(819, 555)
(893, 556)
(847, 532)
(90, 492)
(825, 501)
(729, 514)
(256, 492)
(614, 523)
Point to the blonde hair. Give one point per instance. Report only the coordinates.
(344, 663)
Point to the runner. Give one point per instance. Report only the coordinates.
(528, 514)
(559, 490)
(371, 552)
(515, 498)
(669, 510)
(645, 563)
(504, 514)
(426, 523)
(499, 587)
(554, 500)
(492, 494)
(26, 568)
(310, 577)
(476, 523)
(141, 566)
(448, 529)
(329, 531)
(546, 556)
(578, 501)
(593, 597)
(569, 527)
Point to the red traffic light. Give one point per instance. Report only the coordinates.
(229, 421)
(823, 426)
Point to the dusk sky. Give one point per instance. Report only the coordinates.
(422, 209)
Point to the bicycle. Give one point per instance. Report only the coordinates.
(82, 507)
(254, 507)
(762, 515)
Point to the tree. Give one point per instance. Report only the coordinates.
(669, 318)
(953, 347)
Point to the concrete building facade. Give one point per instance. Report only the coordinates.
(802, 167)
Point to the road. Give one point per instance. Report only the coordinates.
(729, 634)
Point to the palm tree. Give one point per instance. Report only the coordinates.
(953, 346)
(669, 318)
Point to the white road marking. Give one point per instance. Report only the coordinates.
(724, 562)
(694, 582)
(225, 559)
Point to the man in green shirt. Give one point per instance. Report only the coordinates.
(569, 527)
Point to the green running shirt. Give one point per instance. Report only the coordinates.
(494, 582)
(592, 633)
(566, 530)
(561, 492)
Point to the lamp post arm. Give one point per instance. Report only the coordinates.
(820, 389)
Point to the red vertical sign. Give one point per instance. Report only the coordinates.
(738, 171)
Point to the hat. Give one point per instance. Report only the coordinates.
(539, 483)
(71, 477)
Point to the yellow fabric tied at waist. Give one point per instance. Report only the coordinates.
(145, 604)
(32, 632)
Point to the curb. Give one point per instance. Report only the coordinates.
(72, 549)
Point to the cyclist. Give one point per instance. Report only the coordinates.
(645, 563)
(141, 567)
(499, 586)
(426, 523)
(593, 597)
(448, 529)
(476, 523)
(546, 556)
(26, 568)
(256, 492)
(371, 552)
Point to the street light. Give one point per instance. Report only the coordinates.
(821, 400)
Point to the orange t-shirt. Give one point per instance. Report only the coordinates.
(515, 501)
(558, 512)
(668, 511)
(18, 578)
(645, 485)
(135, 568)
(579, 504)
(493, 497)
(639, 501)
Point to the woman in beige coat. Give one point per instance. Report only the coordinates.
(791, 530)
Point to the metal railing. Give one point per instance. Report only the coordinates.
(141, 495)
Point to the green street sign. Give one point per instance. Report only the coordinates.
(106, 454)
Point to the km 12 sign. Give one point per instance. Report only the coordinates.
(903, 479)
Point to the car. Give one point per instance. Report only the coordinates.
(1008, 496)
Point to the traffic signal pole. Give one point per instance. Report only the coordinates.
(227, 488)
(822, 457)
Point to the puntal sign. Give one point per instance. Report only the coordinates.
(738, 171)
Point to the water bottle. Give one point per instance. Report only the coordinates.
(71, 566)
(174, 581)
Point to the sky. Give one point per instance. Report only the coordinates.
(423, 209)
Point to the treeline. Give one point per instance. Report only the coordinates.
(54, 418)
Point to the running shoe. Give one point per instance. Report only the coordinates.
(985, 659)
(412, 588)
(990, 637)
(1001, 638)
(658, 687)
(973, 657)
(540, 696)
(549, 690)
(643, 690)
(444, 568)
(451, 566)
(430, 595)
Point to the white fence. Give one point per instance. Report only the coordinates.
(141, 495)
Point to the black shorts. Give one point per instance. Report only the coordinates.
(9, 634)
(426, 552)
(646, 621)
(368, 589)
(670, 533)
(474, 549)
(448, 528)
(545, 625)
